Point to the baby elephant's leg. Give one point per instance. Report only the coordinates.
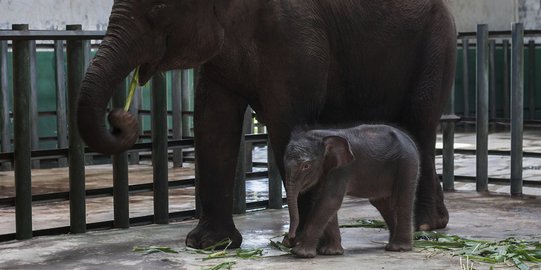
(384, 207)
(402, 202)
(331, 241)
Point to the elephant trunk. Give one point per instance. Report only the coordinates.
(292, 203)
(115, 59)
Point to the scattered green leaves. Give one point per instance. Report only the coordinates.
(366, 223)
(278, 244)
(153, 249)
(510, 250)
(224, 265)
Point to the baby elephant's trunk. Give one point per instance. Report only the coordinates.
(292, 204)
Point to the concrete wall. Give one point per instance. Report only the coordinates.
(498, 14)
(55, 14)
(93, 14)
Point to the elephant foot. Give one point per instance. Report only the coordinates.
(303, 252)
(399, 247)
(330, 249)
(431, 216)
(207, 234)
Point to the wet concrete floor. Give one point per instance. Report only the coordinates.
(493, 216)
(489, 217)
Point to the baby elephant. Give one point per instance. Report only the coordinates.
(377, 162)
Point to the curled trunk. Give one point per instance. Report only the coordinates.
(117, 56)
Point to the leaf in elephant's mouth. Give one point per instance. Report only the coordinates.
(133, 86)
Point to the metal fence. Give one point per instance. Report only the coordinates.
(24, 136)
(71, 149)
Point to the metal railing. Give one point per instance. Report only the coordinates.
(77, 52)
(24, 114)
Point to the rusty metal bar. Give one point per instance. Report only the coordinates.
(482, 108)
(61, 119)
(517, 107)
(177, 115)
(23, 139)
(121, 198)
(159, 149)
(75, 60)
(5, 132)
(275, 180)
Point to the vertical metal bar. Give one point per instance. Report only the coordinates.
(75, 60)
(482, 108)
(177, 116)
(506, 76)
(275, 180)
(87, 56)
(60, 78)
(448, 146)
(159, 149)
(517, 107)
(121, 196)
(248, 129)
(5, 132)
(187, 99)
(134, 109)
(22, 130)
(531, 78)
(466, 76)
(239, 197)
(492, 78)
(34, 102)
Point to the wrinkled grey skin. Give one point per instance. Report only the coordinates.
(377, 162)
(294, 62)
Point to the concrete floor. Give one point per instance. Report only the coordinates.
(491, 217)
(472, 215)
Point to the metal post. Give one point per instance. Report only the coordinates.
(248, 129)
(60, 78)
(75, 60)
(121, 198)
(239, 199)
(87, 56)
(34, 102)
(531, 77)
(448, 127)
(177, 116)
(517, 107)
(506, 76)
(22, 130)
(492, 78)
(466, 76)
(134, 109)
(5, 133)
(275, 180)
(482, 108)
(187, 101)
(159, 149)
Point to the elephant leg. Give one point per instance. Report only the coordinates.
(331, 241)
(384, 207)
(218, 124)
(420, 117)
(328, 199)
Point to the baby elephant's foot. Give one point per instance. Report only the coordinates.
(396, 246)
(330, 249)
(304, 252)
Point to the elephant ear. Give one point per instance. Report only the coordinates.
(337, 152)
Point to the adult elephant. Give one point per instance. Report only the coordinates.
(294, 62)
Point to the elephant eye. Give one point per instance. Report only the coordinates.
(306, 166)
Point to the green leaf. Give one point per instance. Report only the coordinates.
(153, 249)
(224, 265)
(366, 223)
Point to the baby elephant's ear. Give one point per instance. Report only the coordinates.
(337, 152)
